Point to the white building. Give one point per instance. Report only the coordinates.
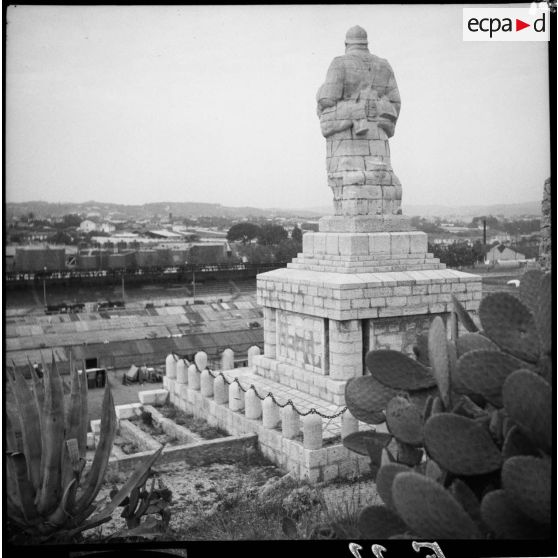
(88, 226)
(501, 253)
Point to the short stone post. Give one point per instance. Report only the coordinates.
(349, 424)
(312, 431)
(290, 422)
(181, 372)
(252, 352)
(206, 383)
(170, 367)
(236, 397)
(220, 390)
(193, 377)
(270, 413)
(252, 405)
(227, 359)
(201, 360)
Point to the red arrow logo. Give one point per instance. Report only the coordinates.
(519, 25)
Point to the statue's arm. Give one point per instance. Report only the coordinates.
(332, 89)
(392, 92)
(390, 104)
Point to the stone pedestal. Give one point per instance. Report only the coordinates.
(348, 293)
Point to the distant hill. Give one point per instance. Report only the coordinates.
(193, 209)
(507, 210)
(178, 209)
(504, 209)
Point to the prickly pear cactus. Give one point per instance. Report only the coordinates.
(460, 445)
(469, 453)
(429, 509)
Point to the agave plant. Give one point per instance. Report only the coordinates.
(50, 491)
(468, 449)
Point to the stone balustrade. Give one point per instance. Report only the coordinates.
(292, 440)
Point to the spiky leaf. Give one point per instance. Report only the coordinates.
(438, 357)
(379, 522)
(429, 510)
(358, 441)
(510, 324)
(398, 371)
(30, 427)
(96, 475)
(384, 481)
(82, 438)
(528, 401)
(460, 445)
(25, 490)
(484, 372)
(528, 481)
(52, 440)
(136, 479)
(463, 315)
(404, 420)
(366, 399)
(506, 521)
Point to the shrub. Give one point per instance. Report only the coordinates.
(50, 494)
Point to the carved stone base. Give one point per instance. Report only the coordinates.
(365, 223)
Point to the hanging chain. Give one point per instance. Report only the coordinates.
(270, 394)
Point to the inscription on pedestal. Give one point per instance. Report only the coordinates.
(301, 340)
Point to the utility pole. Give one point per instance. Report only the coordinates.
(123, 293)
(44, 285)
(193, 284)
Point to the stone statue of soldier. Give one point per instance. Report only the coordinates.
(358, 107)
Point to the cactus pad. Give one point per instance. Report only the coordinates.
(516, 443)
(398, 371)
(460, 445)
(429, 510)
(472, 342)
(366, 399)
(484, 372)
(432, 471)
(529, 288)
(438, 357)
(359, 441)
(528, 481)
(384, 481)
(463, 315)
(420, 348)
(506, 521)
(379, 522)
(466, 497)
(528, 401)
(404, 420)
(404, 453)
(543, 315)
(510, 324)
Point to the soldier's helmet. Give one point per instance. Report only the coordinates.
(356, 36)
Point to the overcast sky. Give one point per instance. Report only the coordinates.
(140, 104)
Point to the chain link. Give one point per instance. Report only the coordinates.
(270, 394)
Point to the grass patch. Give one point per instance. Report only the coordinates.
(192, 423)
